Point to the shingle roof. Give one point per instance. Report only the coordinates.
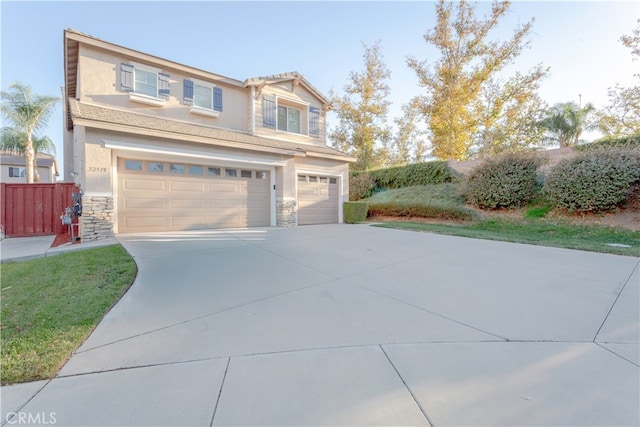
(43, 160)
(96, 113)
(283, 77)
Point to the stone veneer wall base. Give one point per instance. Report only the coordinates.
(96, 222)
(286, 213)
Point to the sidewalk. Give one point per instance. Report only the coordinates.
(23, 248)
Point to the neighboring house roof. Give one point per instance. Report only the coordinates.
(96, 116)
(43, 160)
(294, 76)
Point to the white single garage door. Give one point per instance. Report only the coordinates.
(166, 196)
(318, 198)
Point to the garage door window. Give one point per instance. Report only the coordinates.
(155, 167)
(302, 178)
(177, 169)
(195, 170)
(133, 165)
(333, 181)
(190, 170)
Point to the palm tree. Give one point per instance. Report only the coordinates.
(26, 114)
(565, 122)
(14, 142)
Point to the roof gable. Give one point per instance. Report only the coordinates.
(294, 77)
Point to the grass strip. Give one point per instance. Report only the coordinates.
(538, 232)
(50, 306)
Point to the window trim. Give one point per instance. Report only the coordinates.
(288, 107)
(20, 171)
(143, 98)
(198, 109)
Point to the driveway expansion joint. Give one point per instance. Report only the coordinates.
(435, 314)
(637, 266)
(406, 386)
(224, 377)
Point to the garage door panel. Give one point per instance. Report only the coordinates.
(190, 186)
(186, 221)
(141, 203)
(166, 202)
(187, 203)
(317, 201)
(143, 184)
(230, 187)
(147, 222)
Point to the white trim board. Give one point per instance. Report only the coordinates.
(255, 160)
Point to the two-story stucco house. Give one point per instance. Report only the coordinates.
(160, 146)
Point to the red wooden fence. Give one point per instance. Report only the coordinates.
(35, 209)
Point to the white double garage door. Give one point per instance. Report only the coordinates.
(172, 196)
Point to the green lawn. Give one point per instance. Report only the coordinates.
(50, 306)
(538, 232)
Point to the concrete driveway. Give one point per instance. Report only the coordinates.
(354, 325)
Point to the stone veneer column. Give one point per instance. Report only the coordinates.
(286, 213)
(96, 222)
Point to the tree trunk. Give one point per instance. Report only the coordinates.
(29, 156)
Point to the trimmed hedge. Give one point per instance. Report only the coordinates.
(355, 212)
(594, 180)
(629, 142)
(361, 186)
(447, 212)
(505, 181)
(436, 172)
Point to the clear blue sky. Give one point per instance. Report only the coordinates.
(321, 40)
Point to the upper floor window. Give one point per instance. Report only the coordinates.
(144, 80)
(288, 119)
(202, 95)
(290, 116)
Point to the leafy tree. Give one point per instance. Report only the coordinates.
(362, 112)
(622, 116)
(26, 113)
(409, 143)
(456, 83)
(511, 115)
(565, 122)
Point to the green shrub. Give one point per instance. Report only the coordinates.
(628, 141)
(355, 212)
(436, 172)
(504, 181)
(444, 211)
(361, 186)
(594, 180)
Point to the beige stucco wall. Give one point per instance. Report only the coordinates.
(299, 94)
(97, 173)
(99, 82)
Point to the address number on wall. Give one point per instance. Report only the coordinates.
(97, 170)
